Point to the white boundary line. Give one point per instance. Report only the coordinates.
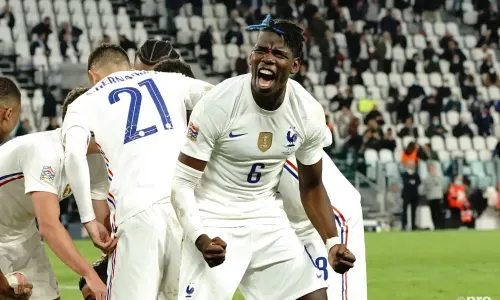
(68, 287)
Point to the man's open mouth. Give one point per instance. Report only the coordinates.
(265, 78)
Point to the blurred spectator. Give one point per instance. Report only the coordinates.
(354, 43)
(415, 91)
(435, 128)
(235, 20)
(431, 10)
(234, 36)
(375, 128)
(451, 51)
(343, 121)
(342, 99)
(432, 65)
(408, 129)
(389, 24)
(371, 140)
(409, 155)
(394, 202)
(69, 35)
(469, 88)
(50, 103)
(206, 41)
(411, 182)
(9, 16)
(488, 71)
(376, 115)
(173, 10)
(410, 65)
(487, 39)
(329, 51)
(241, 64)
(358, 11)
(456, 66)
(332, 11)
(434, 194)
(388, 141)
(484, 121)
(432, 104)
(318, 27)
(426, 153)
(301, 77)
(384, 53)
(42, 28)
(126, 44)
(354, 78)
(288, 10)
(333, 75)
(462, 129)
(53, 124)
(457, 200)
(445, 40)
(453, 104)
(254, 16)
(24, 128)
(371, 18)
(40, 42)
(429, 51)
(443, 91)
(340, 23)
(399, 38)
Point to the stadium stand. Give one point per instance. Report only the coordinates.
(388, 72)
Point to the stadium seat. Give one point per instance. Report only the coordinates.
(465, 143)
(385, 156)
(437, 143)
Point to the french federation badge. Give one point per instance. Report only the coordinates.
(48, 175)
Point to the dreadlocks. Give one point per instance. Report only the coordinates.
(152, 51)
(291, 33)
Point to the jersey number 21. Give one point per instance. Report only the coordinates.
(131, 131)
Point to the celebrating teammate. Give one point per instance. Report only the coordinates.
(10, 107)
(152, 52)
(346, 205)
(224, 191)
(137, 134)
(170, 65)
(32, 182)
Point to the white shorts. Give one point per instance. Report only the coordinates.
(265, 261)
(351, 285)
(30, 258)
(146, 260)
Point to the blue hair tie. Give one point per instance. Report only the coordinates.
(266, 24)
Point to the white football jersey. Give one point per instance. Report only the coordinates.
(138, 119)
(34, 163)
(246, 148)
(343, 195)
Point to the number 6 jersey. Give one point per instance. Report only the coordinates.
(138, 119)
(246, 148)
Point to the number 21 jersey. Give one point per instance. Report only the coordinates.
(138, 119)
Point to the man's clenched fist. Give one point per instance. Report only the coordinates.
(341, 259)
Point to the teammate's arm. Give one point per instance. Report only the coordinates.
(197, 89)
(99, 186)
(201, 136)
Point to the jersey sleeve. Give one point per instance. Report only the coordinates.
(42, 170)
(197, 89)
(205, 128)
(99, 183)
(76, 117)
(317, 136)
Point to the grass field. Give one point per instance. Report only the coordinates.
(401, 266)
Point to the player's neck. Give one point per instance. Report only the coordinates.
(269, 102)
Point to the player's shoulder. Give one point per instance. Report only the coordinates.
(223, 96)
(308, 106)
(46, 144)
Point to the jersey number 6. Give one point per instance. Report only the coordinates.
(131, 131)
(254, 176)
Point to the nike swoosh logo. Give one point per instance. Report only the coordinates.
(319, 276)
(232, 135)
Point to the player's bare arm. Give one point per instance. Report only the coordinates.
(318, 208)
(102, 213)
(188, 173)
(46, 206)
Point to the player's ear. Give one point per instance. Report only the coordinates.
(295, 66)
(93, 77)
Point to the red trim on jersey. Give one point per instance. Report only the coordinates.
(12, 179)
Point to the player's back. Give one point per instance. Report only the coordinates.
(28, 163)
(138, 119)
(343, 195)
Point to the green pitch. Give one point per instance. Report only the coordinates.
(403, 266)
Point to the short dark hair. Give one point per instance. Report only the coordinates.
(291, 33)
(153, 51)
(101, 268)
(9, 90)
(174, 66)
(71, 97)
(109, 53)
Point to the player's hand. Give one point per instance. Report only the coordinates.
(100, 236)
(96, 285)
(19, 287)
(213, 250)
(341, 259)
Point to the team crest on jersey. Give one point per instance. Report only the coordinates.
(48, 174)
(193, 131)
(67, 192)
(265, 141)
(291, 137)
